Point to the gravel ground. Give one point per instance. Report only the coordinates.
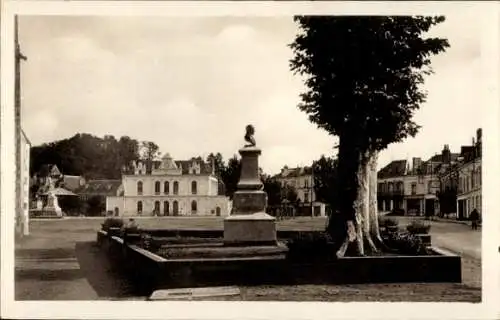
(58, 261)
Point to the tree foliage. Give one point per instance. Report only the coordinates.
(217, 160)
(230, 175)
(149, 152)
(86, 155)
(364, 74)
(326, 181)
(273, 189)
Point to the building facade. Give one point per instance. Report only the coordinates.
(22, 219)
(173, 188)
(469, 195)
(412, 189)
(302, 180)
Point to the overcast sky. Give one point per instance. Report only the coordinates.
(192, 84)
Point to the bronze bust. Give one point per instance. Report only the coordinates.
(250, 131)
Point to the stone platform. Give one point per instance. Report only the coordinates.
(250, 230)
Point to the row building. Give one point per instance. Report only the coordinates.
(445, 184)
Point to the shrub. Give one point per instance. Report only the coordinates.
(112, 223)
(311, 246)
(417, 227)
(406, 243)
(147, 242)
(396, 212)
(388, 222)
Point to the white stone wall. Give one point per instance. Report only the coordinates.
(25, 184)
(424, 185)
(204, 205)
(115, 202)
(206, 185)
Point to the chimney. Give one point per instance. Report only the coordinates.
(284, 171)
(446, 154)
(416, 163)
(479, 135)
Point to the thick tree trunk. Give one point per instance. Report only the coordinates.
(373, 203)
(361, 223)
(342, 224)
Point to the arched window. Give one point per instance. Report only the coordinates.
(157, 208)
(194, 207)
(194, 187)
(166, 208)
(157, 187)
(139, 207)
(117, 211)
(176, 187)
(166, 187)
(139, 187)
(176, 208)
(217, 211)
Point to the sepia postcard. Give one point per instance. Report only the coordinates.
(250, 160)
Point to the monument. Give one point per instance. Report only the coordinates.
(52, 205)
(249, 224)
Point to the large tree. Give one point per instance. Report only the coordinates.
(363, 77)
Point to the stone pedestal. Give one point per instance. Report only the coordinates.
(249, 224)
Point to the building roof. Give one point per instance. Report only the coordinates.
(294, 172)
(395, 168)
(205, 168)
(100, 187)
(72, 182)
(48, 170)
(439, 157)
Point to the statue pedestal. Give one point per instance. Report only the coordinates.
(249, 224)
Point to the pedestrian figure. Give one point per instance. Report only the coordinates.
(474, 217)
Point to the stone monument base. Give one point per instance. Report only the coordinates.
(254, 229)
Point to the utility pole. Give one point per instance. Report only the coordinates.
(17, 122)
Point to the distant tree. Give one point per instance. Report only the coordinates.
(231, 175)
(128, 150)
(86, 155)
(326, 182)
(363, 80)
(289, 193)
(149, 152)
(217, 160)
(273, 189)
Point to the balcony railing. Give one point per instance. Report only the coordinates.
(390, 193)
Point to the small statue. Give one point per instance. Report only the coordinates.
(250, 131)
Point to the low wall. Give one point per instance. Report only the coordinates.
(151, 272)
(205, 233)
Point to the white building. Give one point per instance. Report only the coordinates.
(22, 219)
(173, 188)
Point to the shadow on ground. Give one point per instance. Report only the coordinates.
(97, 269)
